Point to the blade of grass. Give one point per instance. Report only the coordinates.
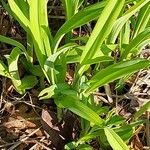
(79, 108)
(10, 41)
(35, 29)
(69, 8)
(114, 140)
(40, 51)
(44, 27)
(23, 5)
(144, 108)
(136, 42)
(19, 15)
(114, 72)
(121, 21)
(12, 60)
(102, 28)
(4, 70)
(142, 19)
(82, 17)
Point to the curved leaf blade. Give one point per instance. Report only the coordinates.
(12, 60)
(142, 20)
(115, 71)
(28, 82)
(10, 41)
(82, 17)
(102, 29)
(3, 70)
(121, 21)
(136, 42)
(77, 107)
(144, 108)
(114, 140)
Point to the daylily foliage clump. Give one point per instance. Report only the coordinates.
(118, 28)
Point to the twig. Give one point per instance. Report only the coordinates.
(41, 144)
(108, 93)
(35, 145)
(148, 129)
(24, 139)
(56, 17)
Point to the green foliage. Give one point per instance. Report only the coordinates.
(143, 109)
(114, 140)
(115, 71)
(117, 27)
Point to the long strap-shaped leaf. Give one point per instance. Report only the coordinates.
(43, 22)
(121, 21)
(102, 29)
(114, 140)
(144, 108)
(79, 108)
(82, 17)
(19, 15)
(12, 60)
(69, 6)
(4, 70)
(35, 29)
(138, 40)
(10, 41)
(13, 42)
(142, 20)
(116, 71)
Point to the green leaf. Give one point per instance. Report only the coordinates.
(102, 29)
(28, 82)
(115, 120)
(53, 90)
(12, 60)
(144, 108)
(142, 19)
(33, 69)
(50, 62)
(14, 43)
(69, 6)
(84, 147)
(73, 56)
(10, 41)
(125, 132)
(91, 135)
(77, 107)
(4, 70)
(98, 60)
(71, 145)
(44, 26)
(19, 14)
(136, 42)
(36, 32)
(125, 34)
(116, 71)
(82, 17)
(121, 21)
(114, 140)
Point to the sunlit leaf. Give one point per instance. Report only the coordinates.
(143, 109)
(114, 140)
(79, 108)
(116, 71)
